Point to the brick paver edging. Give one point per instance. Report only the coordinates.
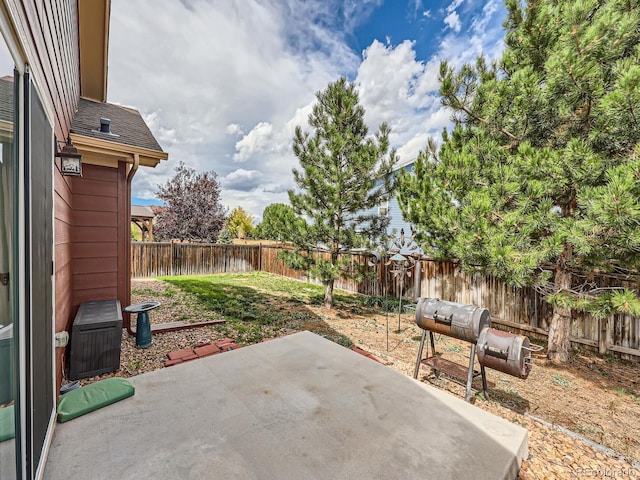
(226, 345)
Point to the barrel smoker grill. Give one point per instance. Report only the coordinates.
(506, 352)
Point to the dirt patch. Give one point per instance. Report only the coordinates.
(596, 398)
(593, 397)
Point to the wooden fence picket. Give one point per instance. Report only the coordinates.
(512, 308)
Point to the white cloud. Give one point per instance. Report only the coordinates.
(242, 180)
(453, 22)
(484, 37)
(453, 5)
(225, 83)
(258, 140)
(410, 150)
(204, 69)
(6, 62)
(417, 7)
(393, 87)
(480, 23)
(396, 88)
(275, 188)
(234, 129)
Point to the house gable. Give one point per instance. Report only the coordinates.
(128, 135)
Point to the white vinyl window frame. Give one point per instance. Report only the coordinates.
(383, 208)
(20, 52)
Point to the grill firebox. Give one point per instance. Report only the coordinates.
(506, 352)
(464, 322)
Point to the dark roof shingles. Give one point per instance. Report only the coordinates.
(126, 123)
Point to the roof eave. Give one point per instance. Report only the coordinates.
(93, 27)
(106, 152)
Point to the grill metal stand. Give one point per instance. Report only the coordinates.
(451, 369)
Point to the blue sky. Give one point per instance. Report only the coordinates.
(223, 84)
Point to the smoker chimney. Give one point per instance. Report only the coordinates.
(105, 125)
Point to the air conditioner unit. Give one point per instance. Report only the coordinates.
(96, 335)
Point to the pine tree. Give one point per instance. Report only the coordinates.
(225, 237)
(280, 223)
(344, 172)
(538, 182)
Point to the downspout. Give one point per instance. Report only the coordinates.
(130, 175)
(132, 172)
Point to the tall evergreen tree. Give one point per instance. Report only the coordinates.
(538, 182)
(344, 172)
(280, 223)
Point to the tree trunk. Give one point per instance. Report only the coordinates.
(558, 345)
(328, 295)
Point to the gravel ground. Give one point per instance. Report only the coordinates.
(553, 453)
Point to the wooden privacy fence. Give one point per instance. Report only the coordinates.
(370, 285)
(153, 259)
(525, 309)
(522, 309)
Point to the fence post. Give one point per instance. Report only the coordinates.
(174, 259)
(602, 335)
(432, 279)
(417, 279)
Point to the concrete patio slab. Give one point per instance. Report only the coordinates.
(299, 407)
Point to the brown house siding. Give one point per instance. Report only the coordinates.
(91, 213)
(52, 30)
(91, 243)
(63, 216)
(95, 257)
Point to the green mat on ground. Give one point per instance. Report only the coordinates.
(7, 423)
(92, 397)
